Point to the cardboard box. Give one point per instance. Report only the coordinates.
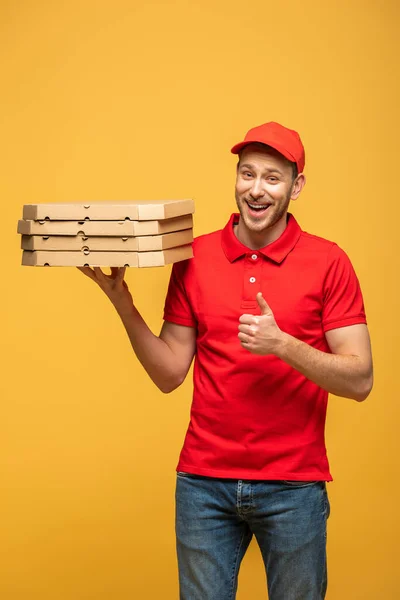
(107, 243)
(101, 228)
(106, 259)
(141, 210)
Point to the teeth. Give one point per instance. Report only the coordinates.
(258, 205)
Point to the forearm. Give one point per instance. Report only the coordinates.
(153, 353)
(339, 374)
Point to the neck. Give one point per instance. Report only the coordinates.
(259, 239)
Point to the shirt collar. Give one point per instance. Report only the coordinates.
(277, 251)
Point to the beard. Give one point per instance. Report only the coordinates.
(273, 214)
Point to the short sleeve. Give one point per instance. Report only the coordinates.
(342, 297)
(177, 307)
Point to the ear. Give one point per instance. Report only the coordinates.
(298, 185)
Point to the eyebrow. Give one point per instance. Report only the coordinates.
(248, 166)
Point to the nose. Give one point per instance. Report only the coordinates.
(257, 190)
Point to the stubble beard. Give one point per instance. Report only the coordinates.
(273, 216)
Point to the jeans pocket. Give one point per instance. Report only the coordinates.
(327, 504)
(185, 475)
(299, 483)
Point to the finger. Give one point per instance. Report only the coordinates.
(262, 303)
(121, 274)
(248, 319)
(246, 344)
(87, 271)
(244, 338)
(248, 329)
(99, 274)
(247, 347)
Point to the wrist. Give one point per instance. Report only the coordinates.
(283, 345)
(125, 310)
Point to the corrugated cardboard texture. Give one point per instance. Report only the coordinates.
(109, 228)
(141, 210)
(107, 243)
(106, 259)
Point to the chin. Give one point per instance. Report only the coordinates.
(259, 225)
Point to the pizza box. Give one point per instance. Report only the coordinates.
(108, 228)
(138, 210)
(106, 259)
(107, 243)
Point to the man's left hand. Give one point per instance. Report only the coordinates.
(260, 334)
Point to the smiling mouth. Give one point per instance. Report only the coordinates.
(259, 208)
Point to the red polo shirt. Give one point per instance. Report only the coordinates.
(255, 417)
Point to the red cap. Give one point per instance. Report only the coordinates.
(285, 140)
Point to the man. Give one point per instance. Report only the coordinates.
(275, 318)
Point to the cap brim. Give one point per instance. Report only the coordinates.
(238, 147)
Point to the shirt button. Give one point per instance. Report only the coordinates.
(254, 256)
(252, 279)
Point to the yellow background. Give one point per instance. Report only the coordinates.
(140, 100)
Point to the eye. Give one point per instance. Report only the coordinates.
(272, 179)
(247, 174)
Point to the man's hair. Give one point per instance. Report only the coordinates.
(295, 170)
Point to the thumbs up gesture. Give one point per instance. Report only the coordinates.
(260, 334)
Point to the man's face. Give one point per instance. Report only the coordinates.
(264, 187)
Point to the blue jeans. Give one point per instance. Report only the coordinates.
(216, 519)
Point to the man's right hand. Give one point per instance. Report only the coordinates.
(113, 285)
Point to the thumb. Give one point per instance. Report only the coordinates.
(262, 303)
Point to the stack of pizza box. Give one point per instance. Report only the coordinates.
(107, 234)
